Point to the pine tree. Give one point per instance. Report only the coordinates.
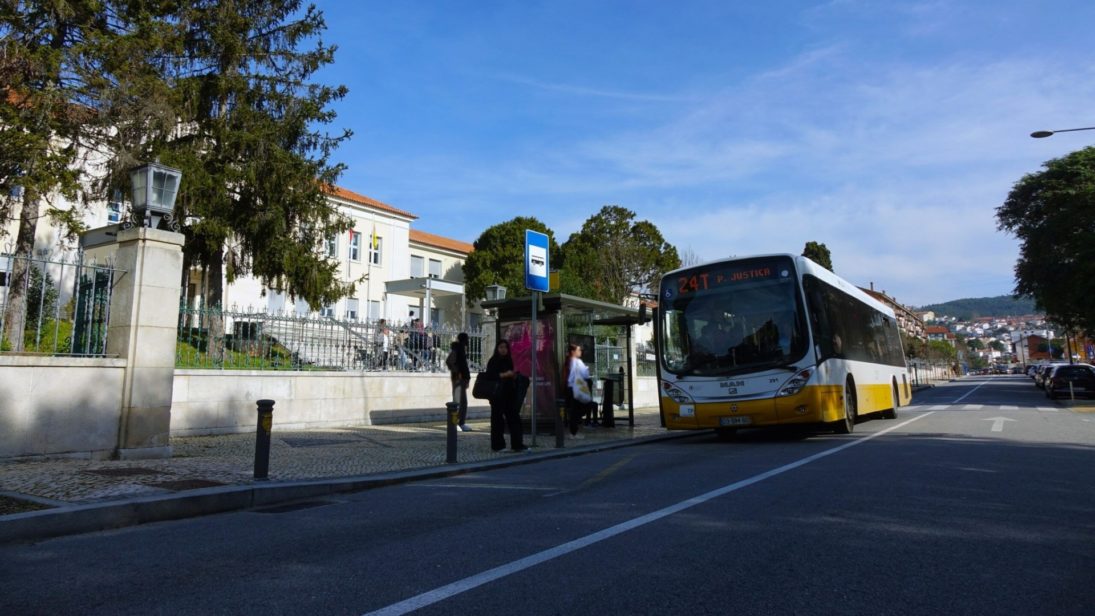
(224, 90)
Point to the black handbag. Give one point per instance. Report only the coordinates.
(485, 387)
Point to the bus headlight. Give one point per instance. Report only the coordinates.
(677, 394)
(796, 383)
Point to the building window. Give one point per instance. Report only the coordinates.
(351, 309)
(355, 246)
(374, 310)
(435, 316)
(435, 268)
(375, 249)
(327, 311)
(114, 208)
(418, 266)
(331, 246)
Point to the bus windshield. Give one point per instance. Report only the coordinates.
(730, 318)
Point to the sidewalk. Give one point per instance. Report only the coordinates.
(41, 498)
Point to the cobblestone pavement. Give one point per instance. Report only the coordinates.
(206, 461)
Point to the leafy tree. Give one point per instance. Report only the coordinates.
(44, 127)
(1052, 212)
(975, 344)
(997, 346)
(499, 257)
(225, 91)
(818, 253)
(613, 255)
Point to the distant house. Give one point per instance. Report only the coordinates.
(939, 332)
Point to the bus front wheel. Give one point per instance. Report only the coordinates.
(847, 424)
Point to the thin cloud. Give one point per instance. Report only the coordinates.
(594, 92)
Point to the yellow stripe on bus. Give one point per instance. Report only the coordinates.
(814, 404)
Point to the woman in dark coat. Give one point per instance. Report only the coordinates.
(503, 406)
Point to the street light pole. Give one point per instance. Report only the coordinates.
(1041, 134)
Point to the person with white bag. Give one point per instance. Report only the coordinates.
(579, 385)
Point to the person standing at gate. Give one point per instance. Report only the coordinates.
(503, 405)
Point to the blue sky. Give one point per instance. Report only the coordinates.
(890, 131)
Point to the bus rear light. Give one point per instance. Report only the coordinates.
(796, 383)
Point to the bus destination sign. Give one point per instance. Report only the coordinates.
(700, 280)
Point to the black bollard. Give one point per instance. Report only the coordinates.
(453, 410)
(262, 438)
(608, 420)
(561, 409)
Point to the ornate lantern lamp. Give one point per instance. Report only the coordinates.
(154, 189)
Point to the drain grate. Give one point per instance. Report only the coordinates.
(292, 507)
(186, 484)
(123, 472)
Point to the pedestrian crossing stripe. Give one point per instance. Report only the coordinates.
(1047, 409)
(972, 407)
(939, 407)
(1009, 408)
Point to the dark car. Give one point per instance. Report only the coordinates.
(1041, 372)
(1070, 380)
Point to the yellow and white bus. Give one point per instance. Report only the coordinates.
(774, 340)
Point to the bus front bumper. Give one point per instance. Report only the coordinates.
(814, 404)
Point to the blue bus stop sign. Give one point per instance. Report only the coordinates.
(536, 261)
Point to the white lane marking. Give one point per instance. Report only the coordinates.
(970, 392)
(939, 407)
(972, 407)
(997, 423)
(1009, 408)
(450, 590)
(1047, 409)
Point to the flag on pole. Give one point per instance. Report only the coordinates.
(374, 240)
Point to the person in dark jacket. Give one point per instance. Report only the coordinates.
(503, 406)
(461, 377)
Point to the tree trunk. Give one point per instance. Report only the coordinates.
(216, 297)
(15, 316)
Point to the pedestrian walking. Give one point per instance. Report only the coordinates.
(460, 374)
(503, 405)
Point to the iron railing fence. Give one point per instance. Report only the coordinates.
(55, 305)
(247, 339)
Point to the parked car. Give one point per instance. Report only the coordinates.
(1069, 380)
(1041, 371)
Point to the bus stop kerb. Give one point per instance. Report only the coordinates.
(558, 309)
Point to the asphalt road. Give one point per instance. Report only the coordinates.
(976, 500)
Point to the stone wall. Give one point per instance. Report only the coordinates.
(59, 405)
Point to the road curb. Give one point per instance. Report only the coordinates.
(77, 519)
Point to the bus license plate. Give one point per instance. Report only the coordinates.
(734, 421)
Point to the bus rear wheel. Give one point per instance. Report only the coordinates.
(847, 424)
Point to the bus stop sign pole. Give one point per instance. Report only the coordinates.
(537, 281)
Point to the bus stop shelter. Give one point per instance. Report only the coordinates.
(565, 319)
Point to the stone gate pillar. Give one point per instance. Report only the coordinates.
(144, 316)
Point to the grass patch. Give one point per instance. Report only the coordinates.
(9, 505)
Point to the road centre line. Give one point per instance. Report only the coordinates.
(479, 486)
(469, 583)
(982, 384)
